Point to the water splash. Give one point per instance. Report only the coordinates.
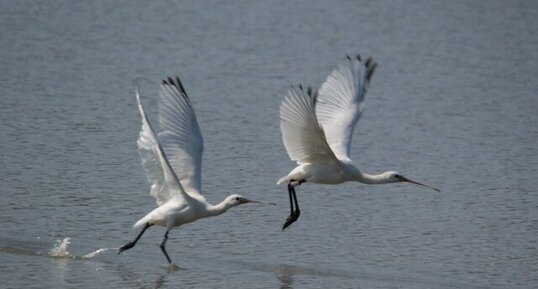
(171, 268)
(96, 252)
(60, 250)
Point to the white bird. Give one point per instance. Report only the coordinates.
(317, 127)
(173, 162)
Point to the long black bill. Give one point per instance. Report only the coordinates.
(249, 201)
(404, 179)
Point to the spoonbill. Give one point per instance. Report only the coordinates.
(172, 160)
(317, 127)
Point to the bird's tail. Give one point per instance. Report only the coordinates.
(142, 222)
(283, 180)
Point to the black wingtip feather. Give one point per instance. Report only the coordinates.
(368, 61)
(369, 64)
(370, 68)
(176, 83)
(171, 81)
(180, 85)
(312, 92)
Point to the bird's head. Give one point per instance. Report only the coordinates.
(236, 200)
(396, 177)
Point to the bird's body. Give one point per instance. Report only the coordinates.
(175, 213)
(172, 160)
(317, 128)
(332, 173)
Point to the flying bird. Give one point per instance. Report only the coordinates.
(172, 160)
(317, 128)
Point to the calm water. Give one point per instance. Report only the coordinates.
(453, 103)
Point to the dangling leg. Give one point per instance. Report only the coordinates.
(290, 218)
(297, 211)
(163, 243)
(133, 243)
(294, 205)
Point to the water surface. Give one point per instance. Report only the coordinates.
(453, 104)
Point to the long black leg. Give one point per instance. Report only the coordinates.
(297, 211)
(133, 243)
(290, 193)
(294, 206)
(163, 243)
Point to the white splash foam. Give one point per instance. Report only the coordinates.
(96, 252)
(60, 250)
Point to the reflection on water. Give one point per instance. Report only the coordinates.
(285, 276)
(161, 281)
(285, 272)
(287, 281)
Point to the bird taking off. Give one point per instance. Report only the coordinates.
(317, 128)
(172, 160)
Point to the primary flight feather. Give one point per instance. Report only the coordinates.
(172, 160)
(317, 128)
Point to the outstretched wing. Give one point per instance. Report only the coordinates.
(180, 135)
(164, 183)
(339, 106)
(302, 135)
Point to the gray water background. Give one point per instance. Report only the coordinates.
(453, 103)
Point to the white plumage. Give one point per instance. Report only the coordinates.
(173, 163)
(317, 128)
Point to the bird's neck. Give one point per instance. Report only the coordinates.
(365, 178)
(215, 210)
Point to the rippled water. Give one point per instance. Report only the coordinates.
(453, 103)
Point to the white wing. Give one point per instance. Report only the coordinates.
(302, 135)
(339, 104)
(180, 135)
(164, 183)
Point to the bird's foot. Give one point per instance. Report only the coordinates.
(126, 247)
(291, 219)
